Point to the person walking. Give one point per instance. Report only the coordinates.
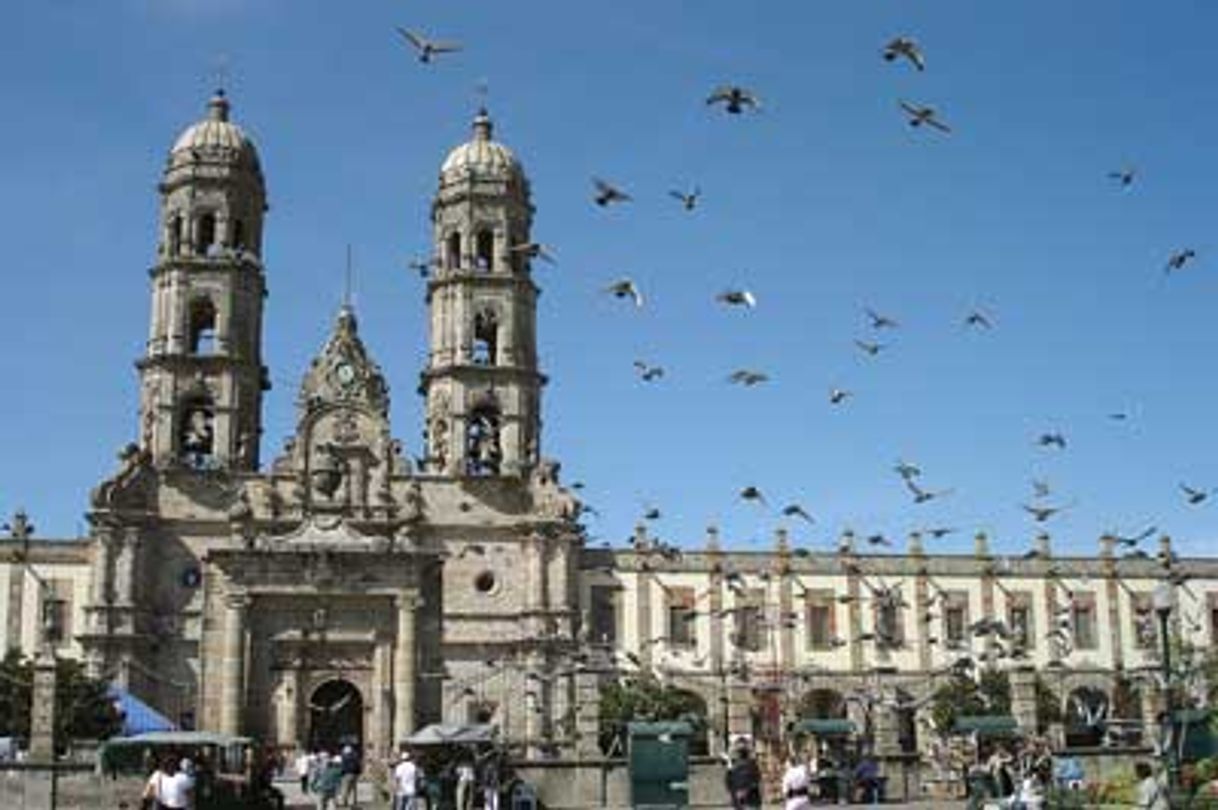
(325, 782)
(1152, 794)
(352, 766)
(406, 778)
(796, 785)
(744, 781)
(303, 764)
(465, 785)
(168, 788)
(490, 782)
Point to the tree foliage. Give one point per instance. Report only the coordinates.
(645, 698)
(82, 709)
(962, 696)
(1048, 706)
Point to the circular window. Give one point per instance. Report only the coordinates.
(485, 582)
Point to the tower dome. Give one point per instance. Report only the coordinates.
(215, 139)
(480, 154)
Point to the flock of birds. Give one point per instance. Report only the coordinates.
(737, 100)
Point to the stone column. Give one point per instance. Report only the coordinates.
(125, 567)
(380, 736)
(643, 624)
(232, 663)
(887, 737)
(42, 709)
(587, 719)
(1112, 592)
(289, 713)
(404, 668)
(787, 616)
(917, 553)
(1023, 698)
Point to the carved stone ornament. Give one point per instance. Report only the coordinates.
(320, 532)
(344, 373)
(131, 485)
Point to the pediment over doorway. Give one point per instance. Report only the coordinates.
(325, 532)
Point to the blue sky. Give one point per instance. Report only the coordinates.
(822, 204)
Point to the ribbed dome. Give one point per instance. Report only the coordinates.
(481, 154)
(215, 133)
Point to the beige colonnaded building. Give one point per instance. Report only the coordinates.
(345, 592)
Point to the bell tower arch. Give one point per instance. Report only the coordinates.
(201, 377)
(481, 382)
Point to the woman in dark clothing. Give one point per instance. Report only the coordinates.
(744, 782)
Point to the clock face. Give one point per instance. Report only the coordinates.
(345, 373)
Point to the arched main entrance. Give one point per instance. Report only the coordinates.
(336, 716)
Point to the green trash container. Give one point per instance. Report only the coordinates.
(659, 764)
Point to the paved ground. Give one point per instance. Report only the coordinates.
(298, 802)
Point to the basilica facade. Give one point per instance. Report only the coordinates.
(345, 591)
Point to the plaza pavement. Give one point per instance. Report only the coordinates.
(296, 801)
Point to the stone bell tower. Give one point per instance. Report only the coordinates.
(201, 378)
(481, 382)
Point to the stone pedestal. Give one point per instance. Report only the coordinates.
(42, 709)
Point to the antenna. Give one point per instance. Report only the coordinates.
(221, 64)
(347, 281)
(482, 89)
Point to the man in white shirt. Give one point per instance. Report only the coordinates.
(304, 765)
(795, 786)
(406, 778)
(170, 788)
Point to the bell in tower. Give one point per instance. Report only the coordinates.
(201, 378)
(481, 382)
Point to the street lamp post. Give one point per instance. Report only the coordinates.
(1164, 601)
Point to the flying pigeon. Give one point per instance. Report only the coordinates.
(427, 48)
(624, 288)
(907, 48)
(737, 298)
(746, 377)
(689, 199)
(734, 98)
(919, 115)
(607, 193)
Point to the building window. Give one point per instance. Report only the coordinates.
(889, 620)
(484, 248)
(482, 441)
(681, 617)
(205, 236)
(820, 624)
(750, 620)
(452, 253)
(196, 436)
(236, 237)
(175, 235)
(1082, 619)
(202, 326)
(486, 338)
(602, 614)
(1019, 619)
(1145, 631)
(955, 620)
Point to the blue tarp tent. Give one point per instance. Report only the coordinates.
(138, 716)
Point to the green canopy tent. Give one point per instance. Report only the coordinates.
(986, 725)
(824, 727)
